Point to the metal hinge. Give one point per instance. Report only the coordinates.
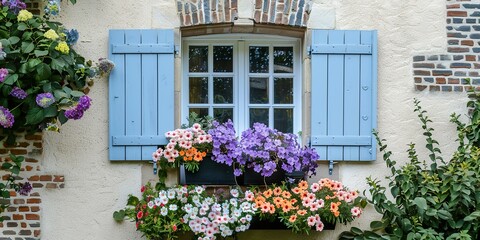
(309, 51)
(330, 167)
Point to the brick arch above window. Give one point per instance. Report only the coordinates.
(281, 12)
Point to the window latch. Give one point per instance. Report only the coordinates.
(155, 168)
(330, 167)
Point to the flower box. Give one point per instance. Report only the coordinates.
(210, 173)
(276, 224)
(253, 178)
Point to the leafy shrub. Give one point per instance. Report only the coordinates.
(432, 199)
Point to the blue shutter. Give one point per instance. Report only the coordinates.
(141, 92)
(344, 94)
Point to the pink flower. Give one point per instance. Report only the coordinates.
(142, 189)
(315, 187)
(321, 203)
(319, 226)
(356, 211)
(171, 159)
(249, 196)
(140, 215)
(311, 221)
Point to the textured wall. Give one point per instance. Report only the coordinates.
(95, 187)
(449, 71)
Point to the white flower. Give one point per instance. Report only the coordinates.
(150, 204)
(164, 200)
(173, 207)
(248, 217)
(234, 202)
(199, 189)
(162, 194)
(158, 202)
(163, 211)
(171, 194)
(234, 192)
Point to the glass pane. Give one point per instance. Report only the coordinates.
(223, 59)
(283, 59)
(223, 90)
(283, 120)
(258, 59)
(258, 90)
(198, 59)
(201, 112)
(198, 92)
(283, 90)
(223, 114)
(258, 115)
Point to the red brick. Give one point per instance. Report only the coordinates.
(51, 185)
(17, 217)
(470, 58)
(38, 144)
(34, 209)
(31, 160)
(32, 216)
(23, 144)
(13, 194)
(452, 6)
(19, 201)
(33, 137)
(441, 81)
(457, 14)
(23, 209)
(418, 80)
(17, 151)
(467, 42)
(34, 178)
(420, 87)
(28, 168)
(23, 224)
(34, 200)
(36, 233)
(34, 194)
(37, 185)
(3, 151)
(59, 178)
(453, 81)
(46, 178)
(476, 65)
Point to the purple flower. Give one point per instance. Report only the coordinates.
(44, 100)
(237, 172)
(74, 113)
(18, 93)
(14, 5)
(3, 74)
(25, 189)
(6, 118)
(84, 103)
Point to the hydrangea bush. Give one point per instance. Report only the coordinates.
(262, 149)
(43, 80)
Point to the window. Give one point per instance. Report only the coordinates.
(245, 79)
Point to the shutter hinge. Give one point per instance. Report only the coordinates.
(309, 51)
(154, 168)
(176, 49)
(330, 167)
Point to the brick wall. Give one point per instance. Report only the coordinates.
(23, 217)
(449, 71)
(283, 12)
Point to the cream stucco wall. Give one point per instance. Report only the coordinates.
(95, 187)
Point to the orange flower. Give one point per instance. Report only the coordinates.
(259, 199)
(304, 194)
(277, 191)
(278, 201)
(286, 194)
(204, 154)
(272, 209)
(293, 201)
(303, 185)
(296, 190)
(265, 207)
(301, 212)
(334, 207)
(181, 153)
(336, 213)
(268, 193)
(286, 208)
(198, 157)
(292, 218)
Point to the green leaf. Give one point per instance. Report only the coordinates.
(50, 111)
(27, 47)
(421, 203)
(444, 214)
(13, 39)
(39, 53)
(6, 166)
(77, 94)
(11, 79)
(119, 215)
(22, 26)
(59, 94)
(32, 63)
(472, 216)
(376, 225)
(133, 201)
(43, 72)
(57, 64)
(34, 116)
(15, 170)
(61, 117)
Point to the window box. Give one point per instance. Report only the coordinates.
(210, 173)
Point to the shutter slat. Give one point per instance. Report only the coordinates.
(352, 96)
(344, 94)
(141, 92)
(149, 93)
(116, 96)
(335, 94)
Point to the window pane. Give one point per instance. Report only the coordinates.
(283, 120)
(223, 114)
(258, 115)
(201, 112)
(283, 90)
(258, 90)
(258, 59)
(198, 59)
(223, 59)
(283, 59)
(198, 92)
(223, 90)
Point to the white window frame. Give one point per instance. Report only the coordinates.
(241, 105)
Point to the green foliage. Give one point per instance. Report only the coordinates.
(37, 63)
(13, 167)
(432, 199)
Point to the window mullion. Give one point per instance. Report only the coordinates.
(210, 79)
(270, 87)
(242, 115)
